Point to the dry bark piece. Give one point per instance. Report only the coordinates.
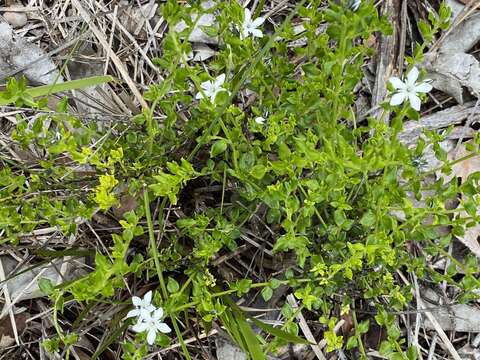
(228, 351)
(457, 317)
(17, 53)
(7, 337)
(412, 130)
(25, 285)
(450, 67)
(15, 17)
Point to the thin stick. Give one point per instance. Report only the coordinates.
(306, 330)
(8, 306)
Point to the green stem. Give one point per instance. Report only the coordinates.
(358, 335)
(153, 248)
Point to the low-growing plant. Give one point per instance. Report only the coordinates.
(273, 130)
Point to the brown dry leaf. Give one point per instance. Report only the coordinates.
(462, 170)
(6, 330)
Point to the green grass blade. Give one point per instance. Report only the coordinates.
(68, 85)
(253, 345)
(278, 332)
(45, 90)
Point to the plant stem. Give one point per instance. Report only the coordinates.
(153, 248)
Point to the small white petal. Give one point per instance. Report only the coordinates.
(133, 313)
(247, 16)
(220, 79)
(152, 334)
(397, 99)
(424, 87)
(206, 85)
(147, 299)
(257, 22)
(412, 76)
(199, 96)
(157, 314)
(140, 327)
(144, 313)
(415, 102)
(136, 301)
(260, 120)
(397, 83)
(164, 328)
(257, 33)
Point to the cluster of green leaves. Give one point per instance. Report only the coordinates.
(333, 187)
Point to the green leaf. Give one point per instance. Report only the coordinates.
(352, 342)
(363, 326)
(218, 148)
(258, 171)
(46, 286)
(267, 293)
(279, 332)
(253, 345)
(172, 285)
(368, 219)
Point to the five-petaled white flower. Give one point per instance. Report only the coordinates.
(212, 88)
(250, 26)
(354, 4)
(152, 324)
(143, 307)
(260, 120)
(409, 89)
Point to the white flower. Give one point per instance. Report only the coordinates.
(354, 4)
(409, 89)
(143, 307)
(250, 27)
(260, 120)
(152, 324)
(212, 88)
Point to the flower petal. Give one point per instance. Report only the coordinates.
(140, 327)
(144, 313)
(397, 83)
(247, 16)
(164, 328)
(206, 85)
(415, 102)
(157, 314)
(412, 76)
(132, 313)
(257, 33)
(424, 87)
(199, 96)
(397, 99)
(219, 80)
(257, 22)
(147, 299)
(259, 120)
(152, 334)
(136, 301)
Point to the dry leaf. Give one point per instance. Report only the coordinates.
(462, 170)
(18, 54)
(6, 331)
(451, 67)
(25, 285)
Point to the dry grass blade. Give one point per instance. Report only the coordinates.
(115, 59)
